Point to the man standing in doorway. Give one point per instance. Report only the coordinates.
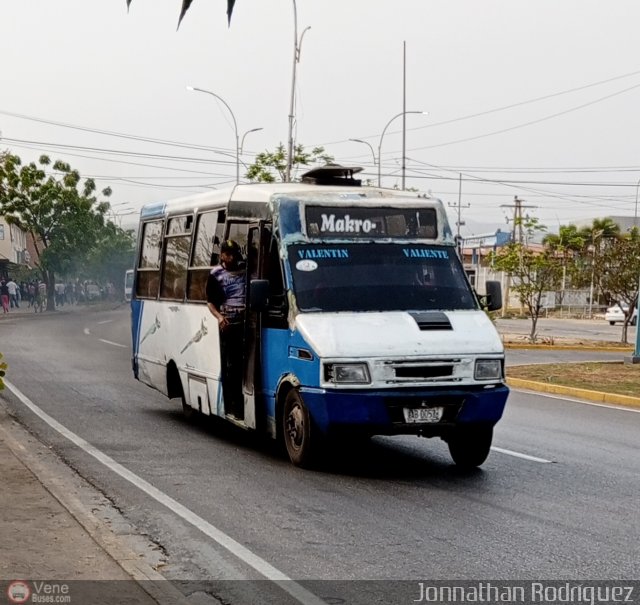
(226, 295)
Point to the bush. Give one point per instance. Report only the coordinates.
(3, 367)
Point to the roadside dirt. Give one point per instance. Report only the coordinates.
(609, 377)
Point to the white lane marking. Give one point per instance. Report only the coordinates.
(105, 321)
(109, 342)
(298, 592)
(519, 455)
(115, 344)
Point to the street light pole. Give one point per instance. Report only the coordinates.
(235, 125)
(402, 113)
(245, 134)
(635, 212)
(297, 44)
(373, 153)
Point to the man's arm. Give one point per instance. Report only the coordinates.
(215, 298)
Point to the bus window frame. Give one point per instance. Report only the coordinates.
(191, 269)
(166, 236)
(157, 270)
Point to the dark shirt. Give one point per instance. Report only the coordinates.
(4, 290)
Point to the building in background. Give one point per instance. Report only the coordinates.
(14, 251)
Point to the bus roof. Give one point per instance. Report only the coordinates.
(264, 193)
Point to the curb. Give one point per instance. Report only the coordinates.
(607, 398)
(150, 581)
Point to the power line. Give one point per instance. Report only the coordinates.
(510, 106)
(110, 132)
(529, 123)
(125, 153)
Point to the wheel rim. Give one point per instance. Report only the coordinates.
(295, 427)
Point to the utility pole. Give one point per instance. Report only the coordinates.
(404, 113)
(459, 206)
(517, 219)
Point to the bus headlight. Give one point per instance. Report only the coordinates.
(488, 369)
(347, 373)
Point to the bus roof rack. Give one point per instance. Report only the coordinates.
(333, 174)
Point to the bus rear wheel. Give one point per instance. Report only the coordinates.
(300, 437)
(469, 446)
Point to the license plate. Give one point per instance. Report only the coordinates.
(423, 414)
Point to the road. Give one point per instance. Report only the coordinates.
(590, 329)
(557, 498)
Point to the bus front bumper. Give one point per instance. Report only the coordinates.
(384, 412)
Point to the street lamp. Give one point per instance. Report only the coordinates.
(245, 134)
(402, 113)
(373, 153)
(235, 125)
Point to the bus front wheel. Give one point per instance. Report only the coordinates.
(300, 437)
(469, 446)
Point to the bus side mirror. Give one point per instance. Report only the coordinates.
(259, 295)
(493, 297)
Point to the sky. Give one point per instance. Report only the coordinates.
(536, 99)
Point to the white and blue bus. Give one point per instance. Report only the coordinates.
(360, 320)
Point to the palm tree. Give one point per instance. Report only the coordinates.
(187, 3)
(566, 244)
(601, 230)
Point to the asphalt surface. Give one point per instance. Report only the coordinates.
(556, 499)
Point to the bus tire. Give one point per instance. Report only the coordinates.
(175, 390)
(300, 438)
(188, 412)
(469, 446)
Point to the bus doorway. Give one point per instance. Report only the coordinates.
(250, 238)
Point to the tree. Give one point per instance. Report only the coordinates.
(112, 253)
(595, 237)
(261, 171)
(533, 272)
(567, 245)
(187, 3)
(618, 269)
(3, 367)
(59, 211)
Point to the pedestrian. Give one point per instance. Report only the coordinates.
(226, 293)
(31, 293)
(13, 293)
(59, 295)
(4, 295)
(41, 297)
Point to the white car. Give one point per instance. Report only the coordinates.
(617, 313)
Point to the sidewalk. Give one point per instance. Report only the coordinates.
(51, 530)
(24, 309)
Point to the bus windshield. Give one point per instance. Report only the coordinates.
(378, 277)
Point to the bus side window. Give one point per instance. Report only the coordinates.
(238, 233)
(173, 283)
(205, 254)
(148, 275)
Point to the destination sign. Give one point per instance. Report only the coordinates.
(371, 223)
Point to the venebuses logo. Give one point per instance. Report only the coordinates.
(18, 591)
